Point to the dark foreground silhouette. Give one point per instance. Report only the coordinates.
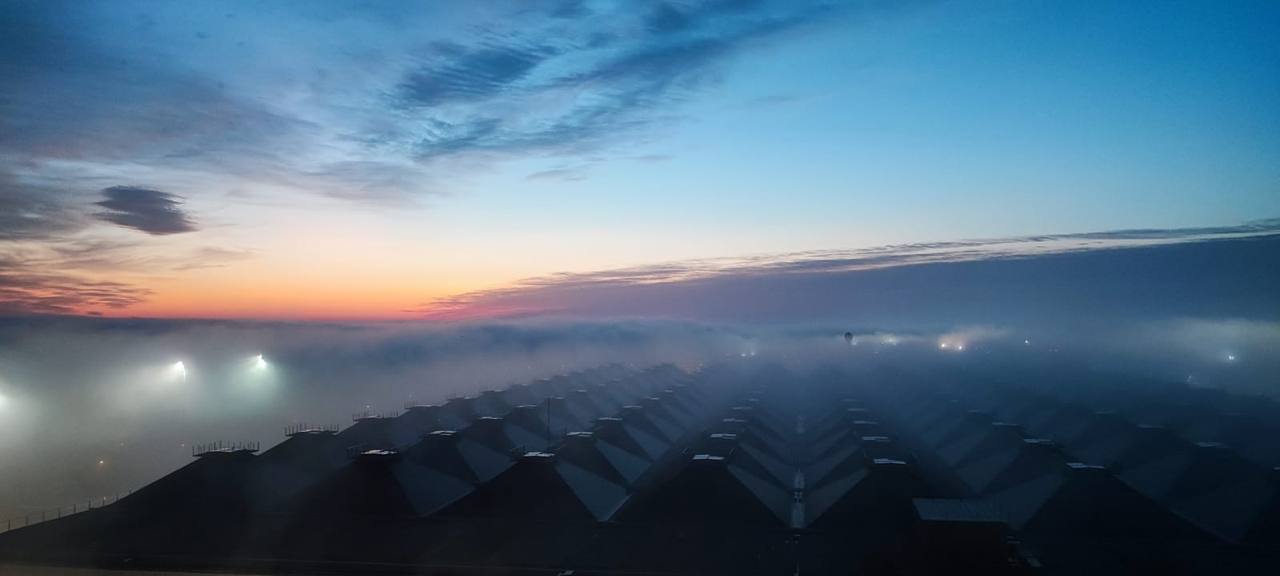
(742, 468)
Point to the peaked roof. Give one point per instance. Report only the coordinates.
(1013, 465)
(1084, 516)
(582, 449)
(440, 451)
(874, 496)
(486, 447)
(540, 487)
(707, 490)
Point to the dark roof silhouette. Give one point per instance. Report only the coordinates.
(708, 489)
(733, 469)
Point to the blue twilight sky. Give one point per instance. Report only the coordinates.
(357, 159)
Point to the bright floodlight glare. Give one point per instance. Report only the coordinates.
(960, 347)
(180, 369)
(259, 363)
(943, 345)
(4, 400)
(1231, 357)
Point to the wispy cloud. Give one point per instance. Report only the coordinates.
(461, 73)
(393, 112)
(25, 291)
(601, 79)
(566, 174)
(32, 214)
(75, 275)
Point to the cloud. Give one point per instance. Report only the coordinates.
(212, 257)
(1060, 278)
(563, 174)
(32, 214)
(26, 291)
(151, 211)
(78, 275)
(602, 80)
(411, 99)
(470, 74)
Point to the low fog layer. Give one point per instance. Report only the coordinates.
(94, 408)
(91, 408)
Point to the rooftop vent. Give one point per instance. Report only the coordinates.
(307, 429)
(216, 448)
(370, 415)
(1083, 466)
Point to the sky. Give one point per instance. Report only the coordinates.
(389, 160)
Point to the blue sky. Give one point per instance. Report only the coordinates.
(221, 158)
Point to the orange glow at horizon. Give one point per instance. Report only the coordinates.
(288, 300)
(253, 292)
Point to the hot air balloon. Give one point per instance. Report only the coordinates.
(848, 337)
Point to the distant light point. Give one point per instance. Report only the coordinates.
(259, 363)
(1231, 357)
(180, 369)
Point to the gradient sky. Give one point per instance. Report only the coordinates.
(366, 159)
